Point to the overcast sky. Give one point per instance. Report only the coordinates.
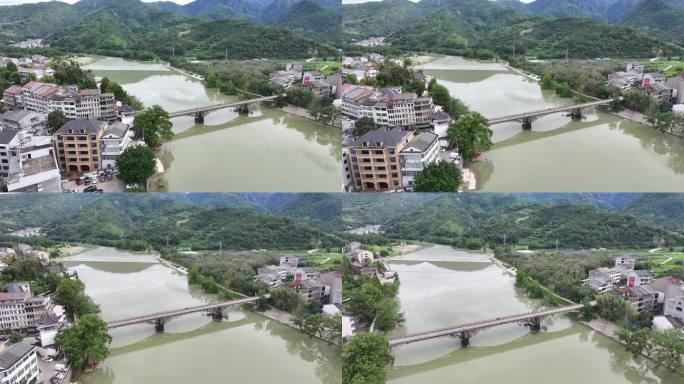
(14, 2)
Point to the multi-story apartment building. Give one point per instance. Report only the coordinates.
(643, 298)
(375, 159)
(77, 145)
(114, 141)
(12, 98)
(391, 107)
(18, 364)
(674, 306)
(19, 309)
(27, 162)
(45, 98)
(419, 152)
(28, 121)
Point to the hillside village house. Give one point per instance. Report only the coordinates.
(639, 278)
(677, 83)
(643, 298)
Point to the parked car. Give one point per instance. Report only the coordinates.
(47, 358)
(90, 188)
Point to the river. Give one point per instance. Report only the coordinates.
(600, 153)
(441, 286)
(265, 151)
(243, 348)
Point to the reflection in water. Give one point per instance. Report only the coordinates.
(601, 152)
(265, 151)
(237, 349)
(436, 294)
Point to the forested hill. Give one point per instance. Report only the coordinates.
(662, 18)
(141, 221)
(484, 29)
(472, 220)
(138, 29)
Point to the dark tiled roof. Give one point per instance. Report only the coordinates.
(387, 138)
(422, 142)
(6, 135)
(76, 126)
(14, 353)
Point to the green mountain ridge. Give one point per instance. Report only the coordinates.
(485, 29)
(144, 30)
(637, 220)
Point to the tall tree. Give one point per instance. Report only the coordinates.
(154, 125)
(471, 133)
(363, 126)
(365, 358)
(136, 165)
(56, 120)
(84, 342)
(70, 294)
(440, 176)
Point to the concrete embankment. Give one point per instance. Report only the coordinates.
(304, 113)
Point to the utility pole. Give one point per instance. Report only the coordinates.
(226, 54)
(173, 50)
(556, 245)
(504, 239)
(220, 246)
(167, 241)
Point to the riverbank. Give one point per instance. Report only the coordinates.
(185, 73)
(304, 113)
(286, 319)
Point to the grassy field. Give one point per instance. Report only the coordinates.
(664, 260)
(323, 260)
(669, 68)
(325, 66)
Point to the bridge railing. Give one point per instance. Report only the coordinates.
(221, 106)
(493, 322)
(197, 308)
(550, 110)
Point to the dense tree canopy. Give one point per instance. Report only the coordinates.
(153, 125)
(85, 342)
(440, 176)
(136, 165)
(471, 133)
(365, 358)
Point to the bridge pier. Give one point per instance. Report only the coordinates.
(199, 118)
(527, 123)
(535, 323)
(217, 314)
(576, 114)
(243, 109)
(465, 339)
(159, 325)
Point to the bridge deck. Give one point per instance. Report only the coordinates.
(435, 333)
(548, 111)
(177, 312)
(215, 107)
